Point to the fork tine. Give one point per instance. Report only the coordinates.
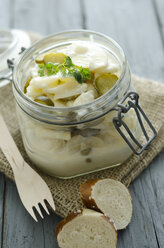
(45, 207)
(31, 212)
(50, 202)
(39, 211)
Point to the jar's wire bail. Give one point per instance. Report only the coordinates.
(10, 63)
(131, 101)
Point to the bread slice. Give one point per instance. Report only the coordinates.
(86, 229)
(110, 197)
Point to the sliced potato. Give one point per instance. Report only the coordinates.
(27, 84)
(69, 89)
(60, 81)
(33, 92)
(46, 82)
(105, 82)
(84, 98)
(54, 58)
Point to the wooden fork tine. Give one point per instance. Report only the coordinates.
(45, 207)
(51, 203)
(39, 211)
(31, 212)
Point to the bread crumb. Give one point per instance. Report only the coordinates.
(112, 221)
(77, 211)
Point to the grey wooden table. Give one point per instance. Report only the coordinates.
(138, 26)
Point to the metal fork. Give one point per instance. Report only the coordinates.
(31, 187)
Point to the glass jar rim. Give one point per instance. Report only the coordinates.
(98, 101)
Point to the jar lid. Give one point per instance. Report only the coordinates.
(11, 42)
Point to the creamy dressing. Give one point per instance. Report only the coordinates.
(59, 154)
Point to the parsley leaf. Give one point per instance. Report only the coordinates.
(67, 68)
(85, 73)
(41, 66)
(41, 72)
(49, 66)
(68, 62)
(63, 71)
(78, 76)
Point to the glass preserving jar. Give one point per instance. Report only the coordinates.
(72, 141)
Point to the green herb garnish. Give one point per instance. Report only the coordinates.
(67, 68)
(86, 73)
(68, 62)
(78, 76)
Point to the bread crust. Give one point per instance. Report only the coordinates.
(86, 194)
(78, 213)
(69, 218)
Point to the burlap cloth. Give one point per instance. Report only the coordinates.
(66, 192)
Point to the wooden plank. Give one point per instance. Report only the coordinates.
(49, 226)
(20, 230)
(148, 200)
(147, 226)
(5, 14)
(159, 9)
(153, 185)
(2, 193)
(140, 232)
(134, 26)
(47, 16)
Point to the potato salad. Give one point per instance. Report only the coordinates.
(72, 76)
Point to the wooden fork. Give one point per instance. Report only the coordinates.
(31, 187)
